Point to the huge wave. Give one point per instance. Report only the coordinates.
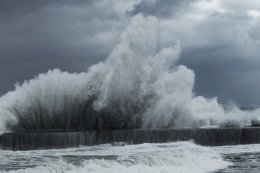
(139, 85)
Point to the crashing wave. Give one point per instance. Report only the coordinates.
(139, 85)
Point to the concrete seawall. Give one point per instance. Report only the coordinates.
(205, 136)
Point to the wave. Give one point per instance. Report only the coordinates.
(139, 85)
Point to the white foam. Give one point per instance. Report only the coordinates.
(179, 157)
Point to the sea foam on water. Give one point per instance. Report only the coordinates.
(176, 157)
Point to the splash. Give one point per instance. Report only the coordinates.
(139, 85)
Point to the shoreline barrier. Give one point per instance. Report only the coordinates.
(64, 139)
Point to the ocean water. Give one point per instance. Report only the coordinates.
(179, 157)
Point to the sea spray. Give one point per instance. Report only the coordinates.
(139, 85)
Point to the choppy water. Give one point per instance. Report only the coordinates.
(170, 157)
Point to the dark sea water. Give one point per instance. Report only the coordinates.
(179, 157)
(242, 162)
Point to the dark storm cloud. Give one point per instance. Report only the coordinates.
(159, 8)
(41, 35)
(16, 8)
(219, 75)
(32, 5)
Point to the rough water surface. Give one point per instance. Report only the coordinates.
(178, 157)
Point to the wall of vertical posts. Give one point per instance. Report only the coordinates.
(56, 140)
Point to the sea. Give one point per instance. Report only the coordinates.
(179, 157)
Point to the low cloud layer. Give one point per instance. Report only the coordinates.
(220, 39)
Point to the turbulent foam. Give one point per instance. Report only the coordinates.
(171, 157)
(139, 85)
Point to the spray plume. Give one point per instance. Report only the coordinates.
(139, 85)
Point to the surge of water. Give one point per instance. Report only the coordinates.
(139, 85)
(178, 157)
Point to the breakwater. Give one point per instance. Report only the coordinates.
(58, 139)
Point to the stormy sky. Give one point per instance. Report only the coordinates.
(220, 39)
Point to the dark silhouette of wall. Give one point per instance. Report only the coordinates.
(58, 139)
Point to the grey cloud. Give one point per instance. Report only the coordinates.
(69, 35)
(32, 5)
(16, 8)
(219, 74)
(160, 9)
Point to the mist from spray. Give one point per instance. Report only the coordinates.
(139, 85)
